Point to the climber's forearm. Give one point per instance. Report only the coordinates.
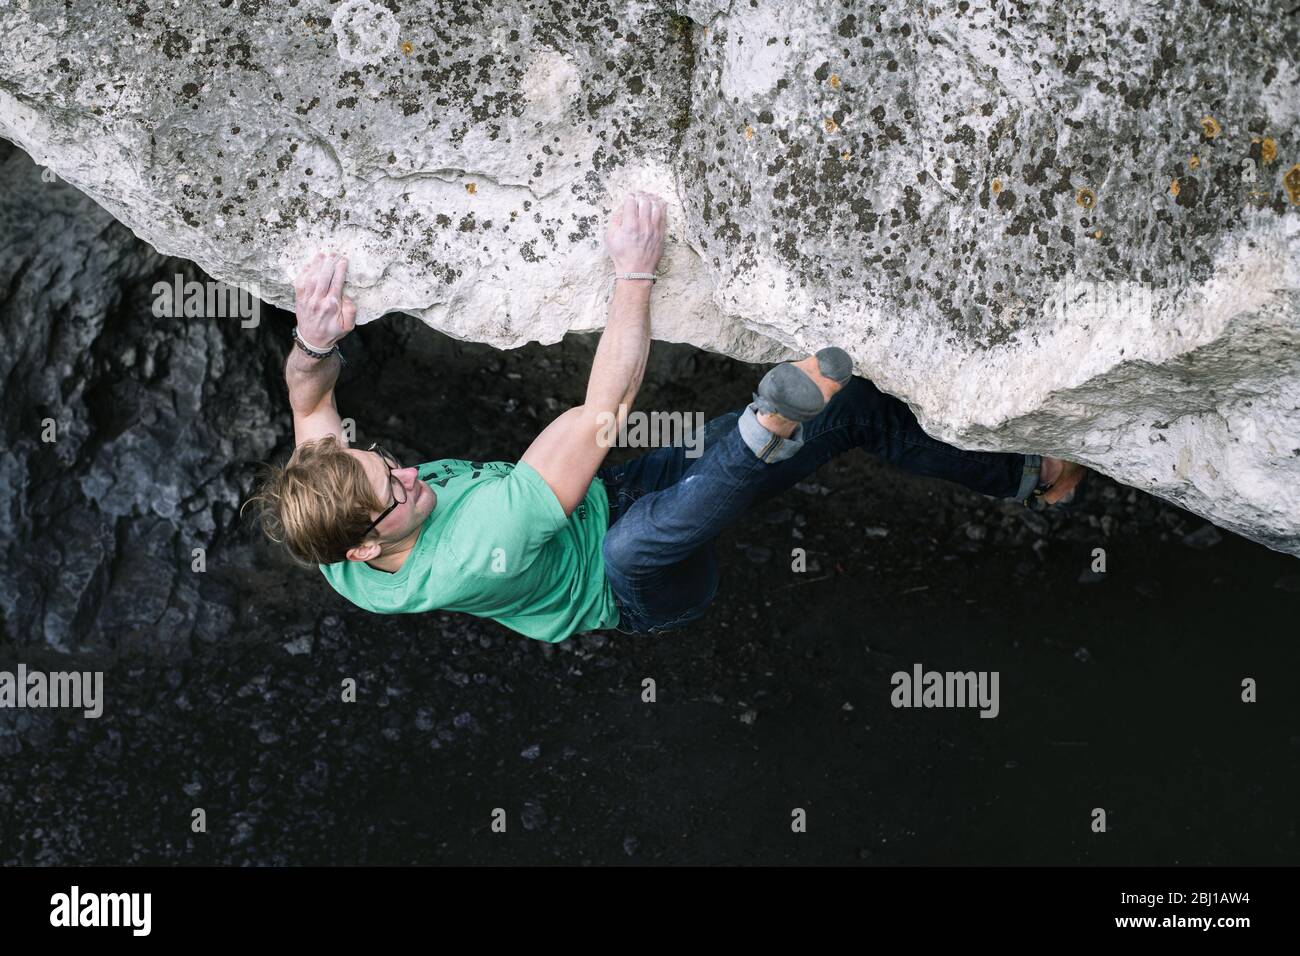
(570, 450)
(311, 381)
(325, 315)
(311, 396)
(619, 365)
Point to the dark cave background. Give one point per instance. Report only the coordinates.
(1118, 690)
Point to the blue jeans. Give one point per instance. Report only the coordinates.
(666, 509)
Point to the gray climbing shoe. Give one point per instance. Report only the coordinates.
(835, 364)
(786, 391)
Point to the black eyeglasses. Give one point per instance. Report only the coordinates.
(394, 485)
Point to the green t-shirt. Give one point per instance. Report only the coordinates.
(497, 545)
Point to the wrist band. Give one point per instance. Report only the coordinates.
(636, 275)
(313, 352)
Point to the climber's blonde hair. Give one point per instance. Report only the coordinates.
(319, 504)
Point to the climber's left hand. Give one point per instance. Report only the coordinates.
(325, 314)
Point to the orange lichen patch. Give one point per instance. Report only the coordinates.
(471, 188)
(1086, 198)
(1291, 182)
(1097, 234)
(1210, 127)
(846, 155)
(996, 186)
(1173, 188)
(407, 47)
(1268, 150)
(749, 132)
(834, 81)
(831, 125)
(1194, 162)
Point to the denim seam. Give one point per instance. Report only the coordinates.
(689, 612)
(664, 626)
(627, 608)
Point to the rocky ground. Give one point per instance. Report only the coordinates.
(1119, 690)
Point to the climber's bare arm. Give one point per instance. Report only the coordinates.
(569, 450)
(325, 315)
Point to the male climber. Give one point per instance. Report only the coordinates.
(557, 543)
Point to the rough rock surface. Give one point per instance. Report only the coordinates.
(154, 425)
(1070, 229)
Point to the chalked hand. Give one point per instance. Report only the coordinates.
(325, 314)
(634, 237)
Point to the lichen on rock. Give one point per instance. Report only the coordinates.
(1055, 228)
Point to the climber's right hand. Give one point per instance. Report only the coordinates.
(634, 237)
(325, 314)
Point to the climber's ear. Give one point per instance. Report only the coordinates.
(364, 552)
